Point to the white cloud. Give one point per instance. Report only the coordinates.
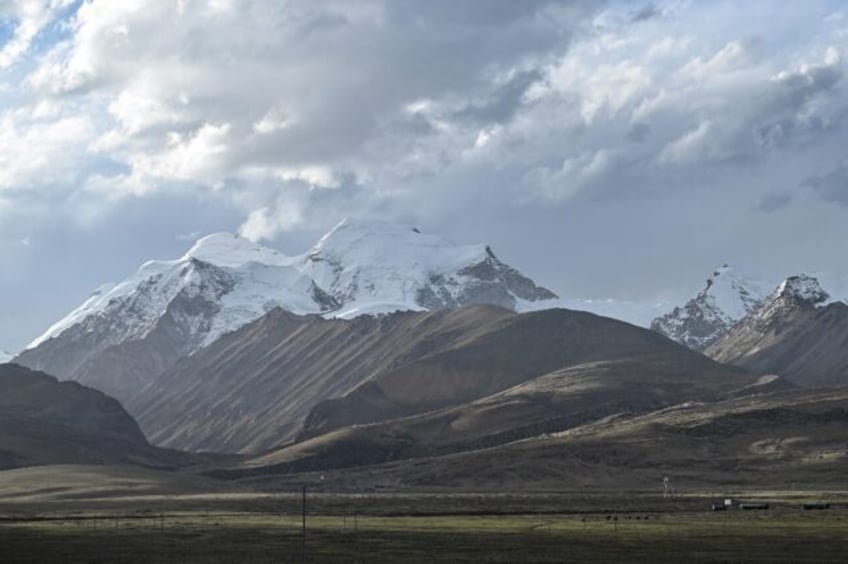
(288, 115)
(301, 87)
(199, 154)
(692, 146)
(29, 18)
(274, 120)
(575, 174)
(267, 222)
(38, 155)
(733, 57)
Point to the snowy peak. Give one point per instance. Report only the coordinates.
(5, 357)
(727, 297)
(730, 299)
(405, 249)
(802, 287)
(229, 250)
(124, 335)
(731, 293)
(225, 281)
(796, 293)
(373, 266)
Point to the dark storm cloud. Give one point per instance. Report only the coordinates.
(638, 132)
(782, 119)
(775, 201)
(646, 13)
(490, 13)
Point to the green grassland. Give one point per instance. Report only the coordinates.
(211, 537)
(418, 527)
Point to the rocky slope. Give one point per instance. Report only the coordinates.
(251, 389)
(44, 421)
(798, 332)
(285, 376)
(125, 335)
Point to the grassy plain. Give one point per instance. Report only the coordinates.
(133, 524)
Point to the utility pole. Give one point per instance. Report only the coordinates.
(303, 511)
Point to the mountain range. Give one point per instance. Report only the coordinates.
(729, 296)
(388, 347)
(127, 337)
(126, 334)
(798, 332)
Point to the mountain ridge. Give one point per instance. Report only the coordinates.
(726, 298)
(729, 297)
(286, 378)
(799, 332)
(125, 334)
(46, 421)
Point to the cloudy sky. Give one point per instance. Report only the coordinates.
(616, 149)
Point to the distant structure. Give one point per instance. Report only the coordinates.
(665, 487)
(753, 506)
(818, 505)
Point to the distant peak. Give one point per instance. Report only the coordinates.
(724, 274)
(725, 270)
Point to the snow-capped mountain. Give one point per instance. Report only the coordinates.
(371, 266)
(802, 287)
(221, 283)
(728, 297)
(800, 331)
(731, 297)
(5, 357)
(356, 267)
(796, 292)
(125, 334)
